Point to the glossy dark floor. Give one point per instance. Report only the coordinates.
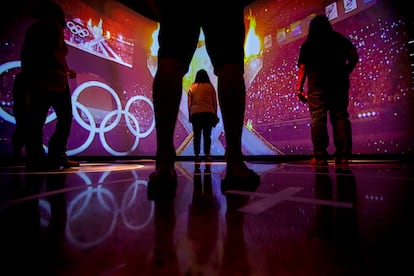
(103, 219)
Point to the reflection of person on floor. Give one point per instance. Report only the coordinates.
(326, 59)
(235, 259)
(325, 214)
(202, 111)
(20, 112)
(203, 221)
(20, 233)
(43, 58)
(334, 238)
(164, 259)
(56, 229)
(347, 217)
(336, 223)
(224, 30)
(32, 247)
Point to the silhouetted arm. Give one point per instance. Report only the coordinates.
(301, 77)
(353, 58)
(300, 94)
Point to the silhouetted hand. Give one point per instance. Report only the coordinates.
(71, 74)
(302, 96)
(216, 121)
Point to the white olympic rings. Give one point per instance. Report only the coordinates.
(89, 122)
(77, 29)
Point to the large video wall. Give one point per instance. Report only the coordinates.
(113, 49)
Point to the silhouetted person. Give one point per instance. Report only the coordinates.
(224, 30)
(32, 246)
(326, 59)
(46, 72)
(20, 113)
(202, 111)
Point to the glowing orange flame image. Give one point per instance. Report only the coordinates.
(253, 45)
(253, 52)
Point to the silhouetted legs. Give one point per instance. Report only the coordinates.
(334, 103)
(40, 103)
(202, 126)
(167, 91)
(232, 99)
(58, 140)
(318, 107)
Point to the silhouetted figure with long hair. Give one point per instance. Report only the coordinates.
(224, 30)
(202, 111)
(326, 59)
(44, 66)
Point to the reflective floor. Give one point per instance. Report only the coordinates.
(103, 219)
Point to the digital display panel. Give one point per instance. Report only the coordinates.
(113, 49)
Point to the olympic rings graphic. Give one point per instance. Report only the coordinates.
(89, 122)
(103, 128)
(77, 29)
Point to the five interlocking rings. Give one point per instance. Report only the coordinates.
(77, 29)
(108, 122)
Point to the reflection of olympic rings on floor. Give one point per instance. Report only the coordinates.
(103, 128)
(98, 194)
(89, 123)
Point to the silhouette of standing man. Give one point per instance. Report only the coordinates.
(326, 59)
(44, 66)
(224, 30)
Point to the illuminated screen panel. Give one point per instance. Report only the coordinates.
(98, 34)
(114, 52)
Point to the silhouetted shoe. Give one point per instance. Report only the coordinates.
(56, 164)
(38, 165)
(209, 158)
(18, 160)
(318, 162)
(246, 180)
(320, 169)
(162, 184)
(70, 163)
(341, 162)
(341, 165)
(197, 158)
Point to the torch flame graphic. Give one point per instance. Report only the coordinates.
(253, 61)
